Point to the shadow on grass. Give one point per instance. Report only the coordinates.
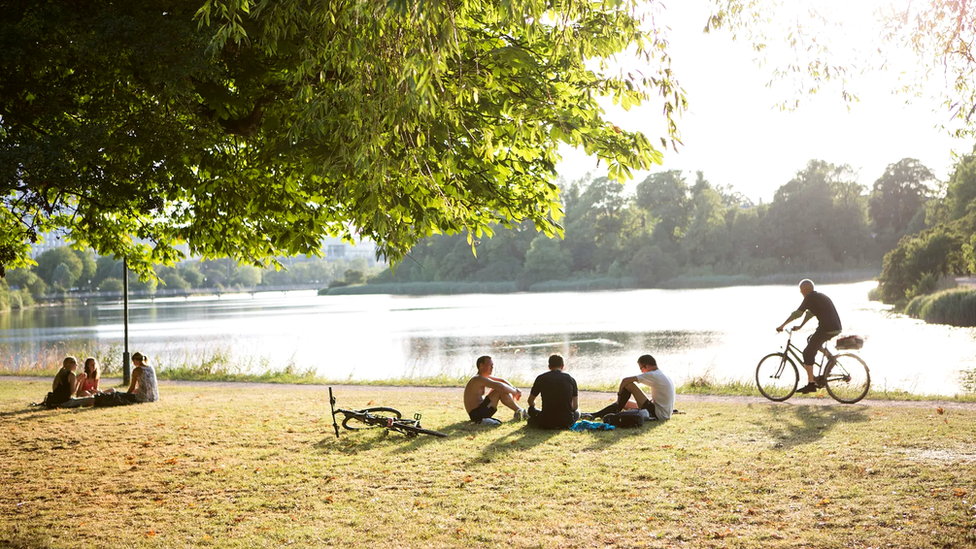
(793, 426)
(28, 538)
(604, 439)
(354, 441)
(37, 410)
(517, 440)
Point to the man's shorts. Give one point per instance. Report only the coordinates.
(482, 411)
(815, 342)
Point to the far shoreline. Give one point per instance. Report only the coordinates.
(732, 392)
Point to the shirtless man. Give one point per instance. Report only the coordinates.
(481, 407)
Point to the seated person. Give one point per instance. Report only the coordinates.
(88, 380)
(661, 402)
(480, 407)
(560, 398)
(142, 387)
(64, 386)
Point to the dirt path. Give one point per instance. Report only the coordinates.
(683, 401)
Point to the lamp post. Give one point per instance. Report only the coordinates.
(125, 321)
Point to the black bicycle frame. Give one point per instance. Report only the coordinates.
(335, 424)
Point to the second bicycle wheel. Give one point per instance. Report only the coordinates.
(848, 379)
(412, 431)
(354, 423)
(777, 377)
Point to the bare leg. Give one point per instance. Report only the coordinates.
(496, 396)
(639, 395)
(507, 400)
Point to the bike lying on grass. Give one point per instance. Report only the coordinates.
(845, 376)
(388, 418)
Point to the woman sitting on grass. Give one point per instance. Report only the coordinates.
(89, 379)
(142, 388)
(64, 385)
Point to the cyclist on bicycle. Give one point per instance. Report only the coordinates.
(817, 305)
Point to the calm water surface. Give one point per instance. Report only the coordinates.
(721, 333)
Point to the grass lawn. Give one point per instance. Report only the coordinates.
(252, 466)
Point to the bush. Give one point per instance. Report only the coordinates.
(953, 307)
(874, 294)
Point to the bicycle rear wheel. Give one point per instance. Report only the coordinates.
(848, 378)
(414, 430)
(380, 416)
(777, 377)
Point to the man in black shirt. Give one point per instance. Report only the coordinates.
(560, 398)
(817, 305)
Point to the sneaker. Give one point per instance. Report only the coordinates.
(490, 421)
(521, 415)
(808, 388)
(587, 417)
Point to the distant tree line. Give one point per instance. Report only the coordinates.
(822, 220)
(64, 270)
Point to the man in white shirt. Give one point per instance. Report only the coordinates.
(661, 402)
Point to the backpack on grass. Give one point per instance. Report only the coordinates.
(627, 418)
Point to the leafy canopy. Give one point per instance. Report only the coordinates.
(252, 129)
(833, 43)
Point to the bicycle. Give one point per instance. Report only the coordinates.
(381, 416)
(846, 376)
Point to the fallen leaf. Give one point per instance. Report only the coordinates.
(151, 533)
(959, 492)
(469, 478)
(939, 410)
(370, 403)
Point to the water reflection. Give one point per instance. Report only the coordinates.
(721, 333)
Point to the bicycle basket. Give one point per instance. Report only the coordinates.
(850, 343)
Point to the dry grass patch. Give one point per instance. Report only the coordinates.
(248, 466)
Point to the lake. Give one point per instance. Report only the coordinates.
(720, 333)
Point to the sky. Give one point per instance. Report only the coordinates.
(736, 134)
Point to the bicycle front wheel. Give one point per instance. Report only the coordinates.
(848, 378)
(370, 417)
(777, 377)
